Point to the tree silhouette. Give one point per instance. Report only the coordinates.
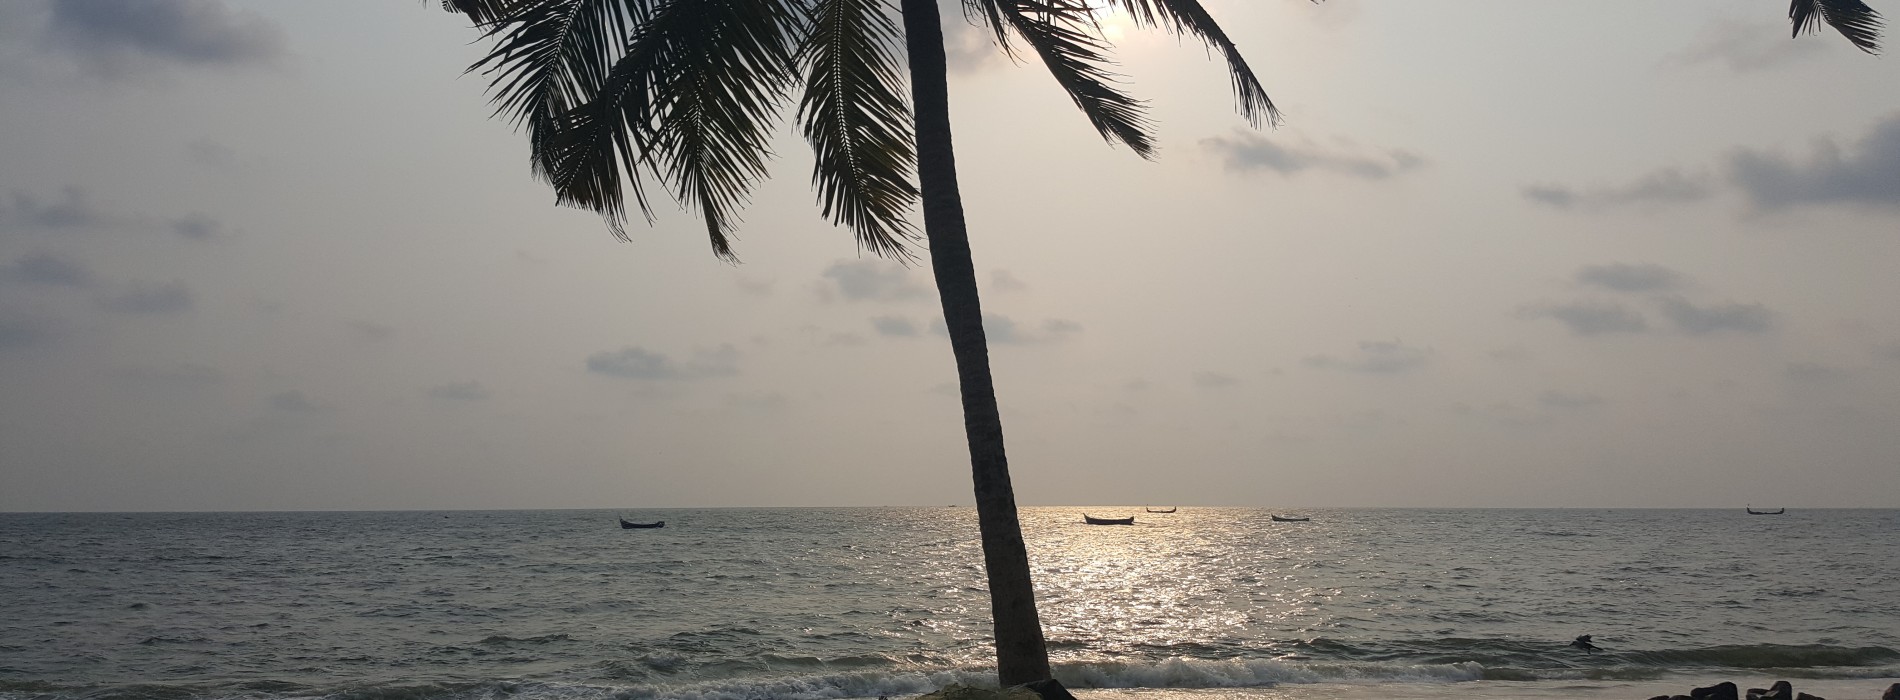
(613, 93)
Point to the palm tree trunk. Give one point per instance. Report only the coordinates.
(1020, 654)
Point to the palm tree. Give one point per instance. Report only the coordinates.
(613, 92)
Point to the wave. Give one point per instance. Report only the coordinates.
(667, 676)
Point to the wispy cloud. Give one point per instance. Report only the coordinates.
(46, 269)
(872, 280)
(640, 363)
(20, 330)
(1630, 278)
(118, 39)
(1716, 318)
(1866, 174)
(1591, 318)
(1374, 357)
(1745, 47)
(72, 209)
(458, 391)
(894, 326)
(146, 298)
(1002, 330)
(1213, 380)
(1245, 151)
(1664, 186)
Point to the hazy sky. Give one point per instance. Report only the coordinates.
(1590, 253)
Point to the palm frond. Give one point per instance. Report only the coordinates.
(482, 12)
(1852, 18)
(990, 14)
(1190, 18)
(600, 144)
(551, 55)
(691, 100)
(858, 124)
(1062, 34)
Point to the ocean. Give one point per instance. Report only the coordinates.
(818, 603)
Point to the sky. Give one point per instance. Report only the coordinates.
(1616, 253)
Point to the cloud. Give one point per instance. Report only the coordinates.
(210, 153)
(196, 226)
(148, 298)
(844, 339)
(1059, 327)
(873, 280)
(758, 402)
(1246, 151)
(1213, 380)
(293, 401)
(184, 374)
(72, 210)
(20, 331)
(894, 326)
(458, 391)
(1745, 47)
(1811, 373)
(47, 269)
(1868, 174)
(117, 39)
(1568, 401)
(370, 330)
(1665, 186)
(1630, 278)
(1374, 357)
(1003, 281)
(640, 363)
(754, 287)
(1003, 330)
(1716, 318)
(1592, 318)
(967, 46)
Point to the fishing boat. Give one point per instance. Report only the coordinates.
(1092, 520)
(1778, 511)
(624, 525)
(1158, 510)
(1289, 519)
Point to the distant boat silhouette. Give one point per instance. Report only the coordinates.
(1778, 511)
(1289, 519)
(1158, 510)
(624, 525)
(1130, 520)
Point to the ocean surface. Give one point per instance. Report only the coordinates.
(739, 604)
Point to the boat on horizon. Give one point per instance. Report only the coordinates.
(1158, 510)
(624, 525)
(1751, 511)
(1289, 519)
(1092, 520)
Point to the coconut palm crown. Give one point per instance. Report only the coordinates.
(614, 94)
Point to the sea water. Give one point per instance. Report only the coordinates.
(1202, 604)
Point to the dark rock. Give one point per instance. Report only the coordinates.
(1781, 690)
(1720, 691)
(1893, 692)
(1680, 697)
(1754, 693)
(1805, 696)
(1049, 689)
(1660, 697)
